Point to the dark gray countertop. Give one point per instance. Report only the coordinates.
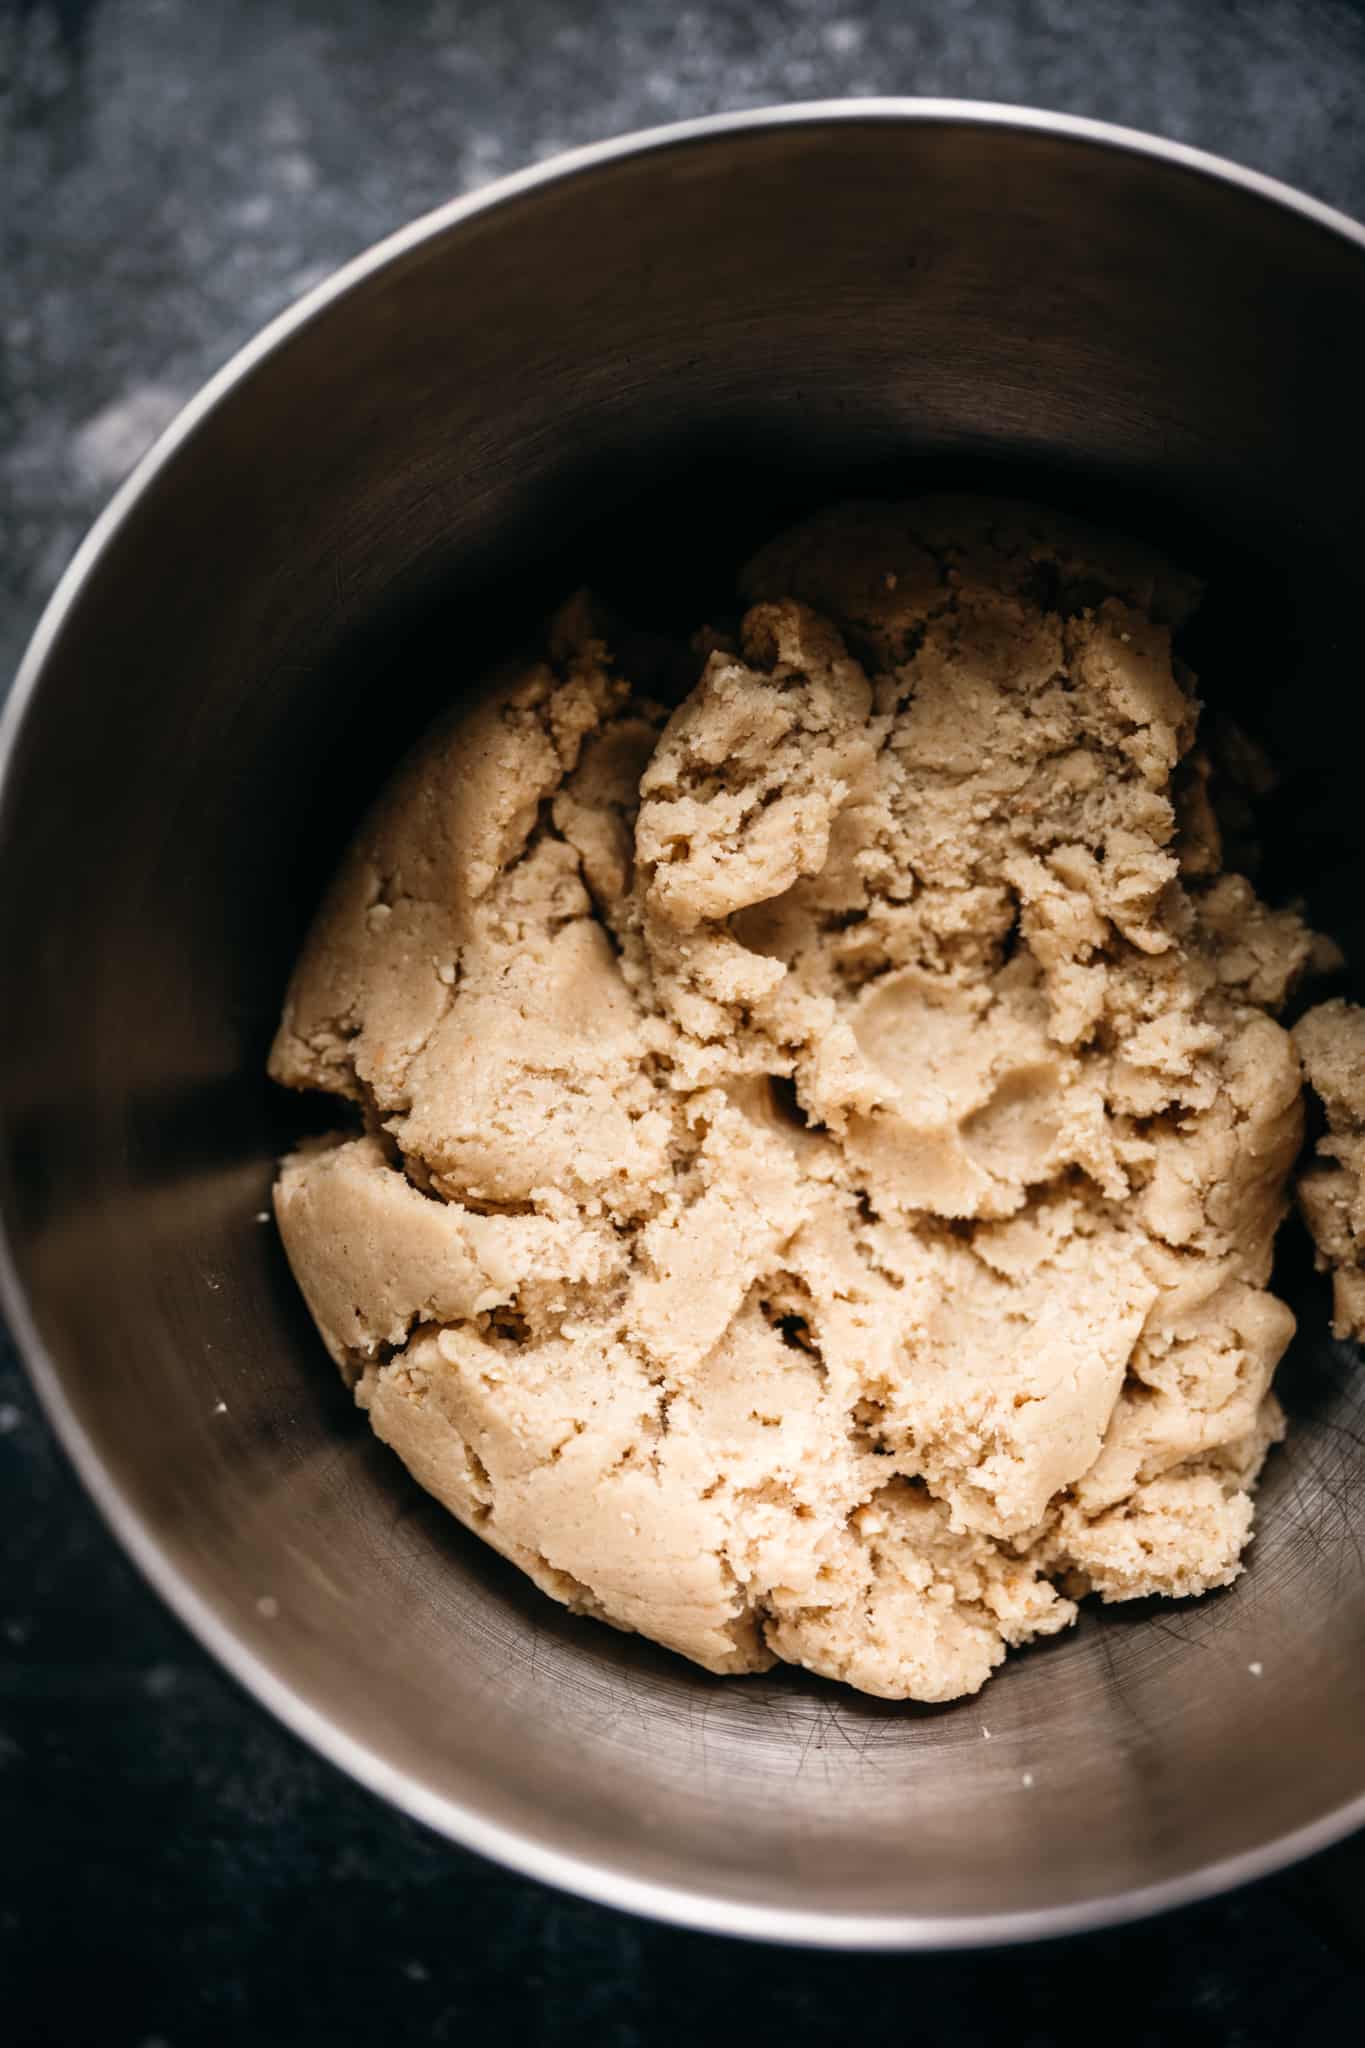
(175, 1869)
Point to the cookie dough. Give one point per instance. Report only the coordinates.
(1331, 1043)
(819, 1148)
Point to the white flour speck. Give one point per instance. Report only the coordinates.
(1027, 1780)
(268, 1607)
(113, 439)
(1256, 1669)
(254, 212)
(302, 281)
(842, 38)
(295, 171)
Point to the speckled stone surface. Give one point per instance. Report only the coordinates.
(174, 1869)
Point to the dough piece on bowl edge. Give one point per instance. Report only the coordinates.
(817, 1152)
(1331, 1043)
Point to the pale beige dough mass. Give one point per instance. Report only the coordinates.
(823, 1144)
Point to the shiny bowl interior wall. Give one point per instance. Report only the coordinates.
(643, 360)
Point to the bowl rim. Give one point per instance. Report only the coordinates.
(679, 1902)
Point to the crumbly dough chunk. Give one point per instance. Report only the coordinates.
(1331, 1043)
(822, 1148)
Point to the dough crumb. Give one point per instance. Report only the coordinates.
(1331, 1044)
(817, 1149)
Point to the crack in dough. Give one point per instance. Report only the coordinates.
(824, 1145)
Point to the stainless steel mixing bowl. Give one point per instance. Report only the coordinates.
(642, 356)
